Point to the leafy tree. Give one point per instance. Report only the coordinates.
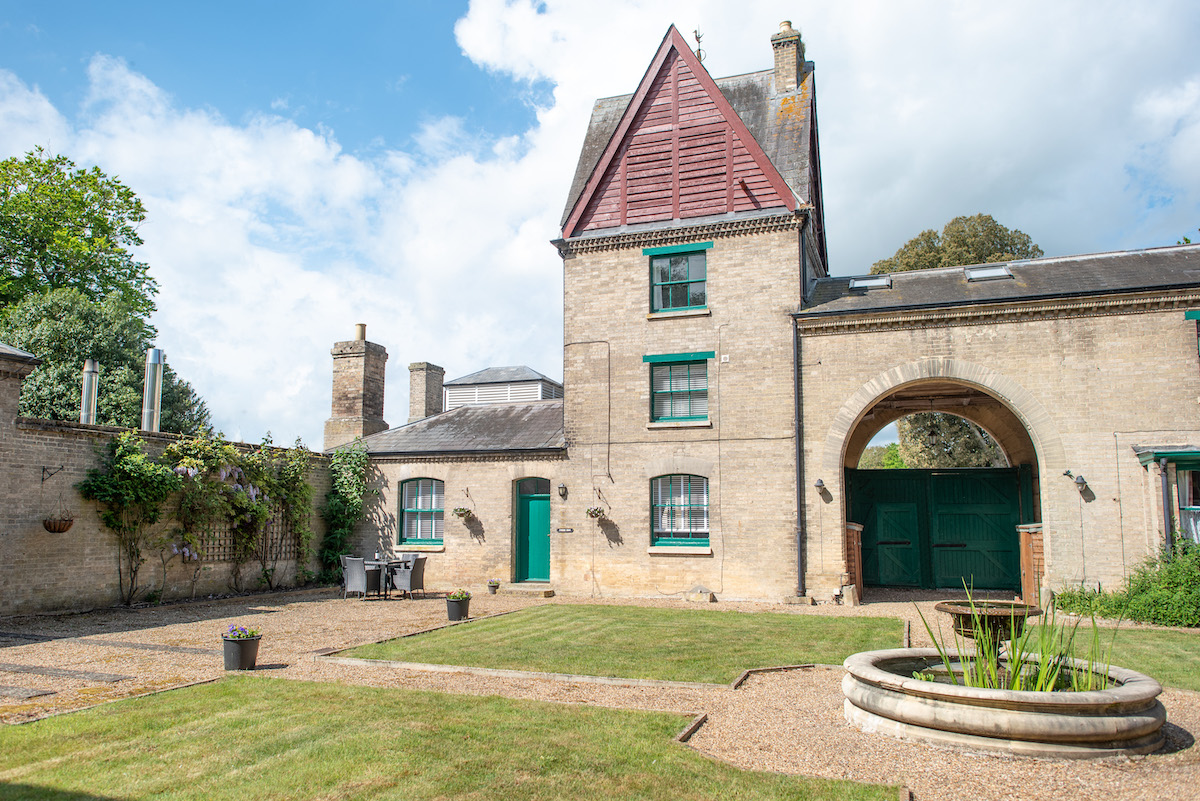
(882, 457)
(132, 488)
(955, 442)
(61, 226)
(964, 240)
(1185, 240)
(63, 327)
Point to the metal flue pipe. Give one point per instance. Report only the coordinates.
(156, 359)
(91, 385)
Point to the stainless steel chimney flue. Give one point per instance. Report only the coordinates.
(152, 389)
(91, 384)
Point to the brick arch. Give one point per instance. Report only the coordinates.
(1028, 409)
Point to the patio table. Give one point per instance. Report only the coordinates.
(385, 567)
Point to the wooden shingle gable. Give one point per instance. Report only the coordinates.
(680, 151)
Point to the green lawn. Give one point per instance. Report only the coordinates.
(642, 642)
(250, 738)
(1172, 657)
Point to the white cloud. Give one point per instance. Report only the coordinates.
(1076, 122)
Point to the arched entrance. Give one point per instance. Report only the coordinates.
(941, 528)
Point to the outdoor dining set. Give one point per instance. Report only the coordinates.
(383, 575)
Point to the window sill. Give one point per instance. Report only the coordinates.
(678, 424)
(412, 547)
(669, 315)
(679, 550)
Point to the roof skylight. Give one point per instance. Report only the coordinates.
(871, 282)
(988, 272)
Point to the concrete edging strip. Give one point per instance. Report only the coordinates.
(502, 673)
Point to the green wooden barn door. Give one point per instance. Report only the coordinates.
(973, 535)
(937, 528)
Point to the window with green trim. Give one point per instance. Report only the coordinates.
(677, 281)
(679, 391)
(422, 503)
(679, 510)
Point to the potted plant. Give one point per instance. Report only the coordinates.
(241, 647)
(462, 512)
(595, 512)
(458, 604)
(493, 585)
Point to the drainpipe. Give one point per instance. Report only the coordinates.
(1168, 518)
(800, 521)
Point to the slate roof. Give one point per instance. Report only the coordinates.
(16, 354)
(501, 375)
(493, 429)
(780, 127)
(1174, 267)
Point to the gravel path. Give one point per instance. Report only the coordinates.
(786, 721)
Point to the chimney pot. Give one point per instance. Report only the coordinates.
(360, 332)
(91, 383)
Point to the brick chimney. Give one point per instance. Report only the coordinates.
(359, 368)
(424, 390)
(789, 58)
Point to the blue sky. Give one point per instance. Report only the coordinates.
(369, 71)
(308, 166)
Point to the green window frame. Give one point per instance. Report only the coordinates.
(679, 510)
(678, 277)
(679, 391)
(422, 511)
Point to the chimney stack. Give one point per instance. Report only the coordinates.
(359, 369)
(789, 58)
(91, 384)
(152, 389)
(424, 390)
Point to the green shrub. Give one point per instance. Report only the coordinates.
(1162, 591)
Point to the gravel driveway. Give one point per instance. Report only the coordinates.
(785, 721)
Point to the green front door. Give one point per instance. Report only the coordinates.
(533, 530)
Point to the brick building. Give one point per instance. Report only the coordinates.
(719, 387)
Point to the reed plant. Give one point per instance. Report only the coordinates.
(1039, 659)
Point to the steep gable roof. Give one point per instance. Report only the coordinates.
(678, 149)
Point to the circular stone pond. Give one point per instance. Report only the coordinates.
(883, 697)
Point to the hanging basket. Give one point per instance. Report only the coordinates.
(58, 525)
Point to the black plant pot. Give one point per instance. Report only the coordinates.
(457, 610)
(242, 653)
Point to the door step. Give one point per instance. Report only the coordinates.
(528, 590)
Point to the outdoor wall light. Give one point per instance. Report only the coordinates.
(562, 491)
(820, 484)
(1080, 483)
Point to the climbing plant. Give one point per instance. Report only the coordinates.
(131, 489)
(343, 506)
(246, 492)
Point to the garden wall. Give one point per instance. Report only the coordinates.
(41, 461)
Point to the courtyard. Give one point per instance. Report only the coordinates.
(784, 723)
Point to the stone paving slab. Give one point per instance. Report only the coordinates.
(8, 691)
(62, 673)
